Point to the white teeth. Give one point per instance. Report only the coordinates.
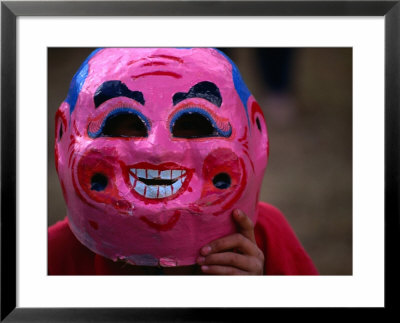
(152, 173)
(162, 191)
(168, 190)
(151, 191)
(141, 173)
(178, 184)
(176, 173)
(156, 191)
(140, 187)
(132, 179)
(165, 174)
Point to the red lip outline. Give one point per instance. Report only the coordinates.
(163, 166)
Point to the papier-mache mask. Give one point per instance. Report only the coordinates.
(154, 149)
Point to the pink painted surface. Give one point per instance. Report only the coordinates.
(158, 224)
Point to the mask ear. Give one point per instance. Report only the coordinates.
(61, 128)
(258, 126)
(61, 121)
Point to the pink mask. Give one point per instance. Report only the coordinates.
(154, 149)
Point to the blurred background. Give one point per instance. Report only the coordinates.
(306, 97)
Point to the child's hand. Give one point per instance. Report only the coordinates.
(236, 254)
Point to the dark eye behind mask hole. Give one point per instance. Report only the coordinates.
(222, 181)
(193, 125)
(124, 125)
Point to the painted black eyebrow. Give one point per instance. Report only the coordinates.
(204, 90)
(114, 89)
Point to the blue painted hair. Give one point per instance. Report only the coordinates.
(239, 84)
(78, 80)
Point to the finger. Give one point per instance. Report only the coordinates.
(222, 270)
(232, 259)
(245, 224)
(234, 241)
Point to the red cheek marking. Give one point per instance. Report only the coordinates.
(162, 227)
(94, 224)
(223, 160)
(251, 162)
(239, 191)
(190, 189)
(91, 164)
(71, 154)
(77, 190)
(73, 141)
(96, 163)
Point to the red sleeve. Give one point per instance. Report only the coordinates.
(66, 255)
(283, 252)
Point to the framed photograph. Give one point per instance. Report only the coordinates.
(357, 40)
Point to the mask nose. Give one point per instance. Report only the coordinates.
(159, 144)
(162, 147)
(159, 136)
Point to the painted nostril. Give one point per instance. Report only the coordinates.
(222, 181)
(99, 182)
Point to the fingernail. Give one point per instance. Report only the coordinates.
(200, 260)
(204, 268)
(206, 250)
(237, 213)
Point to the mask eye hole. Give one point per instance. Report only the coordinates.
(99, 182)
(192, 125)
(222, 181)
(124, 125)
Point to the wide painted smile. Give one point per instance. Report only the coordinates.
(157, 182)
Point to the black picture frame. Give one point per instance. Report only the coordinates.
(11, 10)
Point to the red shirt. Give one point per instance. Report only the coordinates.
(283, 252)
